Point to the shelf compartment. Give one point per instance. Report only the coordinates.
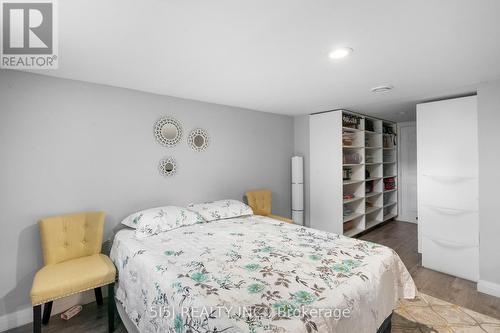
(372, 223)
(352, 216)
(353, 181)
(346, 201)
(390, 204)
(389, 216)
(353, 232)
(373, 209)
(373, 140)
(353, 156)
(372, 194)
(373, 125)
(372, 178)
(374, 171)
(350, 129)
(373, 156)
(390, 191)
(354, 225)
(389, 155)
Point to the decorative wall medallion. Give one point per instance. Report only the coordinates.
(168, 131)
(198, 139)
(167, 166)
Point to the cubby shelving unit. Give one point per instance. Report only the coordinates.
(353, 171)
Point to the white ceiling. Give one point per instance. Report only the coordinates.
(272, 55)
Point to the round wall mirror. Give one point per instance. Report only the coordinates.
(167, 166)
(168, 131)
(198, 139)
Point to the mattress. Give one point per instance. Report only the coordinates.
(255, 274)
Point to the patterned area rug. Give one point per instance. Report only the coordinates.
(428, 314)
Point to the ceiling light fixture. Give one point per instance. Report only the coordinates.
(382, 89)
(340, 53)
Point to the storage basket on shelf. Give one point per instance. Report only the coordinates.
(389, 183)
(348, 225)
(352, 157)
(351, 121)
(348, 138)
(347, 173)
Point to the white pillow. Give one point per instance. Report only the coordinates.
(221, 209)
(132, 220)
(156, 220)
(164, 219)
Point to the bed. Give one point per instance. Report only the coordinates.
(256, 274)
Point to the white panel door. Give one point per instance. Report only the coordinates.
(447, 177)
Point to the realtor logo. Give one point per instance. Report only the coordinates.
(29, 35)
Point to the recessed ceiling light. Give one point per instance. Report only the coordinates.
(340, 53)
(382, 89)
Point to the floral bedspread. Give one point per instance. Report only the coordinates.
(255, 274)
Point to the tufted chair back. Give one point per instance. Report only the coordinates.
(71, 236)
(260, 201)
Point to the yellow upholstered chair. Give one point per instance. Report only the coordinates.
(261, 203)
(73, 263)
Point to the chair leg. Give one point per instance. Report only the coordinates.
(47, 309)
(37, 319)
(111, 307)
(98, 295)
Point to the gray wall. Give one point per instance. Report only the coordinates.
(489, 184)
(68, 146)
(301, 148)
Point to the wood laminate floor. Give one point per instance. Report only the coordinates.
(400, 236)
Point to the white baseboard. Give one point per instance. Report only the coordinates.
(489, 288)
(16, 319)
(405, 218)
(25, 316)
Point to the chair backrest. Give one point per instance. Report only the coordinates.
(260, 201)
(71, 236)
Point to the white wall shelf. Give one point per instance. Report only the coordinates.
(365, 151)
